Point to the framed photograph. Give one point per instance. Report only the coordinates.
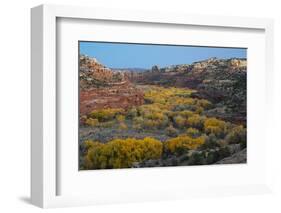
(129, 106)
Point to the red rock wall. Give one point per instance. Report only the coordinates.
(115, 97)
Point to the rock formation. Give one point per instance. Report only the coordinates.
(221, 81)
(100, 88)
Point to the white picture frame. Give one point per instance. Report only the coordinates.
(44, 154)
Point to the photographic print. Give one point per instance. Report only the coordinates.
(155, 105)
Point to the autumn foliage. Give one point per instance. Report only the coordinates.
(183, 143)
(121, 153)
(170, 111)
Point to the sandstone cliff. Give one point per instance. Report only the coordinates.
(100, 87)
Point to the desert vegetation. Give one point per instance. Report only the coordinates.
(169, 128)
(173, 116)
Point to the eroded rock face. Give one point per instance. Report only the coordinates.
(102, 88)
(94, 74)
(237, 63)
(123, 96)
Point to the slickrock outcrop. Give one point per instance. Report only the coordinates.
(94, 74)
(237, 63)
(100, 88)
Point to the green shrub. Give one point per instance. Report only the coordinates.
(199, 110)
(192, 132)
(196, 121)
(203, 103)
(211, 142)
(197, 158)
(185, 113)
(105, 114)
(132, 113)
(223, 153)
(212, 157)
(171, 131)
(179, 121)
(237, 135)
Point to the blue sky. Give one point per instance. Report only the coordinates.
(123, 55)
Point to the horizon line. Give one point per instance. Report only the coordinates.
(147, 68)
(144, 55)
